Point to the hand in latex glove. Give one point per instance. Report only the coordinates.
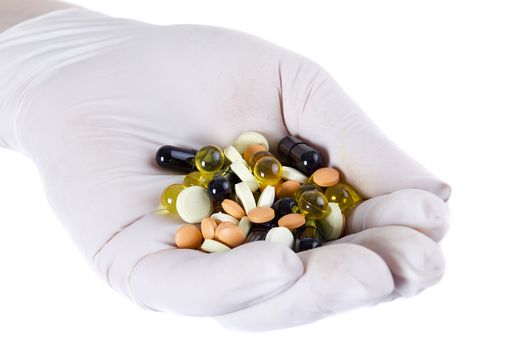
(91, 98)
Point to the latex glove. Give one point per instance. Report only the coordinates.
(90, 98)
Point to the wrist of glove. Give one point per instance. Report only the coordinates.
(90, 98)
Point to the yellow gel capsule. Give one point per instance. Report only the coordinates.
(268, 171)
(168, 199)
(253, 159)
(196, 178)
(209, 159)
(344, 195)
(313, 204)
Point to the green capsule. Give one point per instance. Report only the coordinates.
(344, 195)
(169, 196)
(209, 159)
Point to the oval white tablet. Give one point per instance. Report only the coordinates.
(193, 204)
(332, 224)
(223, 217)
(267, 197)
(245, 195)
(281, 235)
(232, 154)
(290, 173)
(245, 225)
(250, 138)
(243, 172)
(212, 246)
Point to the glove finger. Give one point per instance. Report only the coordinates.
(416, 261)
(337, 278)
(418, 209)
(142, 262)
(316, 109)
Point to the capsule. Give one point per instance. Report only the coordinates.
(169, 196)
(221, 185)
(308, 236)
(176, 158)
(345, 196)
(284, 206)
(313, 204)
(196, 178)
(300, 155)
(209, 159)
(268, 171)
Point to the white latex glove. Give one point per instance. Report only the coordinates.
(90, 99)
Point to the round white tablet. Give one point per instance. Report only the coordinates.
(243, 172)
(245, 224)
(223, 217)
(249, 138)
(290, 173)
(193, 204)
(212, 246)
(332, 224)
(281, 235)
(267, 197)
(245, 195)
(232, 154)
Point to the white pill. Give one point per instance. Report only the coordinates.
(245, 195)
(332, 224)
(281, 235)
(193, 204)
(243, 172)
(290, 173)
(267, 197)
(232, 154)
(212, 246)
(245, 225)
(223, 217)
(250, 138)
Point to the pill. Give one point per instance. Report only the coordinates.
(256, 157)
(232, 154)
(308, 243)
(251, 150)
(268, 170)
(309, 236)
(344, 195)
(245, 225)
(196, 178)
(249, 138)
(209, 159)
(292, 221)
(193, 204)
(208, 226)
(306, 159)
(280, 235)
(188, 236)
(220, 227)
(267, 197)
(287, 189)
(219, 188)
(233, 208)
(176, 158)
(242, 171)
(223, 217)
(212, 246)
(332, 224)
(245, 196)
(326, 177)
(231, 235)
(261, 214)
(343, 228)
(313, 204)
(284, 206)
(257, 232)
(290, 173)
(169, 196)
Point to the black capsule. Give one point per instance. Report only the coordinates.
(307, 243)
(283, 206)
(176, 158)
(300, 155)
(257, 232)
(219, 188)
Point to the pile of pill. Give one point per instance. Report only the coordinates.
(244, 193)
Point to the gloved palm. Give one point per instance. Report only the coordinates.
(98, 96)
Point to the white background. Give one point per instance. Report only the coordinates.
(446, 80)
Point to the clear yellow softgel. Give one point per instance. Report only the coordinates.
(169, 196)
(313, 204)
(209, 159)
(268, 171)
(196, 178)
(345, 196)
